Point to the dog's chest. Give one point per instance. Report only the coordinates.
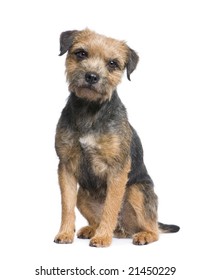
(95, 152)
(92, 154)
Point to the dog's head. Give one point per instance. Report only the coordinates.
(95, 63)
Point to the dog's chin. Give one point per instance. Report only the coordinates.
(89, 93)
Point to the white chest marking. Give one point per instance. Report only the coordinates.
(88, 141)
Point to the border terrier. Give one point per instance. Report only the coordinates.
(99, 150)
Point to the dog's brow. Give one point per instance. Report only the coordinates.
(79, 48)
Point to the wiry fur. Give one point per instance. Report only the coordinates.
(100, 150)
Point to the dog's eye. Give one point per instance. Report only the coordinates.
(81, 54)
(113, 64)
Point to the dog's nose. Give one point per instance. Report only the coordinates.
(92, 78)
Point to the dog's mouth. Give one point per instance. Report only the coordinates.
(82, 88)
(91, 92)
(88, 89)
(88, 92)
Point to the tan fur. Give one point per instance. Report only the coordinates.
(68, 149)
(91, 210)
(102, 217)
(101, 46)
(148, 231)
(112, 205)
(68, 186)
(105, 150)
(101, 49)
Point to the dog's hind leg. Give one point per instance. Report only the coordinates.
(139, 214)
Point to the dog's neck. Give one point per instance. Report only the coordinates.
(83, 115)
(81, 105)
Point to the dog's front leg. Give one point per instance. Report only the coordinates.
(68, 187)
(115, 192)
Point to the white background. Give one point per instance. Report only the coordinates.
(167, 101)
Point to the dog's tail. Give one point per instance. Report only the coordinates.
(168, 228)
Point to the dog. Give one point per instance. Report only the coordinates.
(99, 150)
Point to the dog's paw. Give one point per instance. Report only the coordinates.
(64, 237)
(86, 232)
(143, 238)
(100, 241)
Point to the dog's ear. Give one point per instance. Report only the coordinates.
(66, 39)
(131, 62)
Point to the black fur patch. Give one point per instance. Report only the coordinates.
(66, 39)
(132, 62)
